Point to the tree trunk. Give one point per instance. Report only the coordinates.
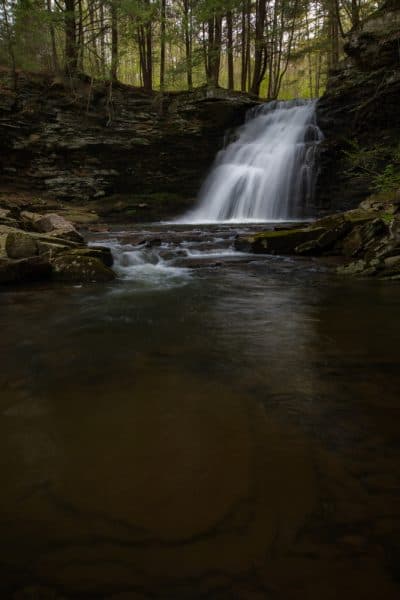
(54, 56)
(243, 48)
(355, 13)
(102, 41)
(114, 41)
(259, 48)
(162, 44)
(10, 44)
(71, 48)
(229, 24)
(188, 42)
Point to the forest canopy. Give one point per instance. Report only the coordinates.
(271, 48)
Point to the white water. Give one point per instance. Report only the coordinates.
(268, 173)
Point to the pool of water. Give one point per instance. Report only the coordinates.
(210, 425)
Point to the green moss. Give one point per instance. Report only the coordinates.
(387, 217)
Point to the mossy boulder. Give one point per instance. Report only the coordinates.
(101, 253)
(21, 245)
(277, 242)
(75, 268)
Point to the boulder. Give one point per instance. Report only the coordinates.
(54, 224)
(102, 253)
(362, 236)
(326, 242)
(74, 268)
(277, 242)
(20, 245)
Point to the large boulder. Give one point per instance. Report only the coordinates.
(75, 268)
(277, 242)
(56, 225)
(21, 245)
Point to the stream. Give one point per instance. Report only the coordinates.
(211, 424)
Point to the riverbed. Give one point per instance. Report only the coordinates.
(212, 424)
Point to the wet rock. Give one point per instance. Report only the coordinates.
(277, 242)
(326, 241)
(20, 245)
(360, 268)
(391, 268)
(35, 268)
(101, 253)
(70, 267)
(56, 225)
(358, 241)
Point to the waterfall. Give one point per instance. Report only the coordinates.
(268, 172)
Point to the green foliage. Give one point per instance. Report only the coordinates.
(380, 163)
(389, 179)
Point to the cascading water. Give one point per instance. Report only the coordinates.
(268, 173)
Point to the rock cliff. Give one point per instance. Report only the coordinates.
(359, 112)
(149, 152)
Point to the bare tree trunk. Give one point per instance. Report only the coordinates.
(114, 41)
(162, 44)
(81, 41)
(214, 29)
(229, 24)
(102, 40)
(10, 44)
(355, 13)
(244, 47)
(259, 48)
(54, 56)
(93, 36)
(248, 40)
(188, 42)
(71, 48)
(333, 34)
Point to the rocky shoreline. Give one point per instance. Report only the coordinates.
(48, 247)
(367, 239)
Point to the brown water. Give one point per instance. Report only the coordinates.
(211, 425)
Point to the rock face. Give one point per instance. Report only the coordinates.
(359, 112)
(90, 142)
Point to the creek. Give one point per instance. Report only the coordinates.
(210, 425)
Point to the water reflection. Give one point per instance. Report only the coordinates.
(231, 438)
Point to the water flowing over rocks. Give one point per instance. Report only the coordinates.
(359, 111)
(268, 171)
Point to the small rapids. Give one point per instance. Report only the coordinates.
(161, 258)
(268, 172)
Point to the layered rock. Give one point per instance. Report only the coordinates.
(85, 143)
(359, 112)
